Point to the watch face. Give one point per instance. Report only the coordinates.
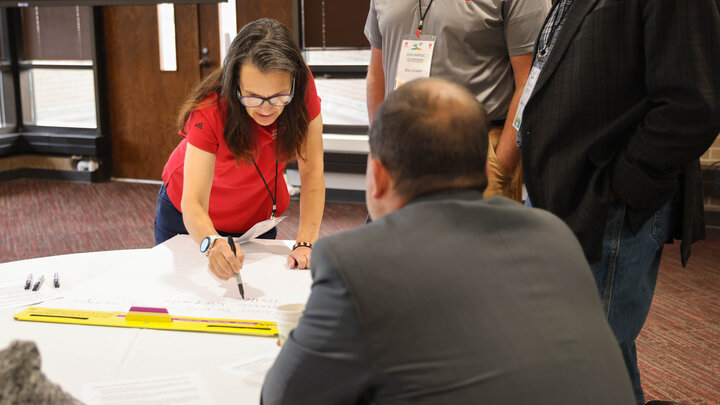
(205, 244)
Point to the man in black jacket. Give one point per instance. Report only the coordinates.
(622, 100)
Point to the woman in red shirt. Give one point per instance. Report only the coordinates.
(241, 126)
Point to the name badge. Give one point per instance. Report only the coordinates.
(259, 229)
(415, 58)
(527, 91)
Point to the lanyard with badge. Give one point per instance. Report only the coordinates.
(268, 224)
(529, 87)
(416, 52)
(527, 91)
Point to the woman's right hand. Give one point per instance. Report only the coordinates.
(222, 262)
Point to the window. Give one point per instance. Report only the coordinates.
(50, 81)
(56, 71)
(228, 26)
(340, 80)
(338, 54)
(54, 97)
(7, 118)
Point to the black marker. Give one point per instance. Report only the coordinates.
(238, 277)
(28, 282)
(56, 281)
(39, 283)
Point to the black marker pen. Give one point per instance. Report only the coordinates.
(39, 283)
(238, 277)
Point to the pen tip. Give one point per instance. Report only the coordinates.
(242, 291)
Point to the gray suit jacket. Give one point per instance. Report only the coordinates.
(452, 300)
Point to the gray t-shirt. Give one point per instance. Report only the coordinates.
(474, 41)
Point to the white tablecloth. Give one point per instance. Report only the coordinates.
(73, 355)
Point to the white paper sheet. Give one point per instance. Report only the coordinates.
(187, 389)
(253, 370)
(13, 293)
(259, 229)
(175, 276)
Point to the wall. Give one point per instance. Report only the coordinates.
(344, 23)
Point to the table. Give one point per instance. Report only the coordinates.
(73, 355)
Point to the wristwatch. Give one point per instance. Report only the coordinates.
(208, 243)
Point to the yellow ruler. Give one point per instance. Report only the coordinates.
(148, 318)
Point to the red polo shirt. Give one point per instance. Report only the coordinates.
(238, 197)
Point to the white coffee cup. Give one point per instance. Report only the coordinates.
(287, 319)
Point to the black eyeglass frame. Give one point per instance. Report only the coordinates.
(268, 99)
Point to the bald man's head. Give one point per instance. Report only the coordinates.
(431, 134)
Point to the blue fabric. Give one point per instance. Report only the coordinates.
(169, 221)
(626, 277)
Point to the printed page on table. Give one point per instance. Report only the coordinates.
(13, 293)
(186, 389)
(175, 276)
(252, 370)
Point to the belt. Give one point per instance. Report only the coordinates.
(497, 123)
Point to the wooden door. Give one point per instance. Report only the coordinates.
(144, 100)
(282, 10)
(335, 24)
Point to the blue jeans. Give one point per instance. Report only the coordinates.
(169, 221)
(626, 275)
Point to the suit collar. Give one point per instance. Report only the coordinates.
(574, 18)
(449, 194)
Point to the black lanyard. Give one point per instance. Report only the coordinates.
(422, 16)
(273, 198)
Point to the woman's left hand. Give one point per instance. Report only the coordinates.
(300, 258)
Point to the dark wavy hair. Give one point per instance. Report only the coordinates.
(268, 45)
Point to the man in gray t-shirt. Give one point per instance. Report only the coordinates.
(484, 45)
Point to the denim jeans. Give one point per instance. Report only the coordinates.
(169, 221)
(626, 277)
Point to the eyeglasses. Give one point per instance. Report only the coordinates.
(275, 101)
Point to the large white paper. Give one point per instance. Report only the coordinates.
(13, 294)
(175, 276)
(188, 389)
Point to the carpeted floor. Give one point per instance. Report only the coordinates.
(43, 218)
(679, 348)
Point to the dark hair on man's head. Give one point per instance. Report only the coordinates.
(431, 134)
(269, 46)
